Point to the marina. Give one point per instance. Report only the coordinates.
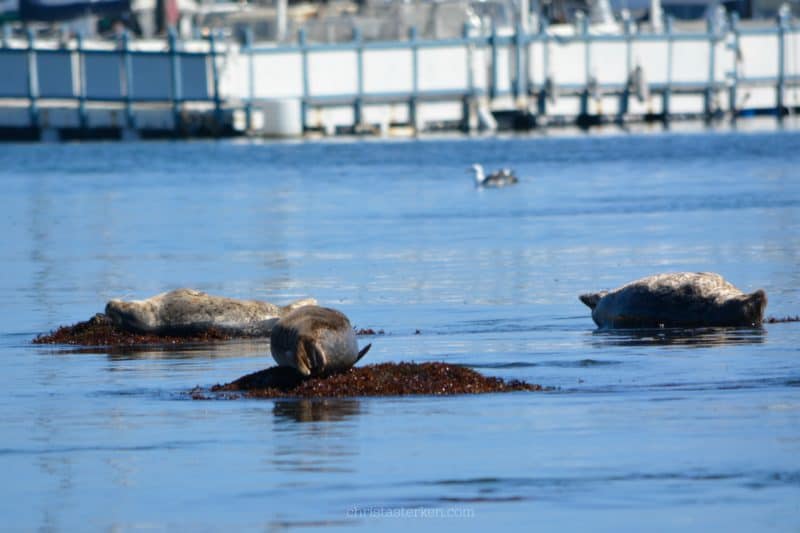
(556, 76)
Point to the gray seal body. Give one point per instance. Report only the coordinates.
(678, 299)
(316, 341)
(187, 311)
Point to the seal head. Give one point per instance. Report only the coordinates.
(316, 341)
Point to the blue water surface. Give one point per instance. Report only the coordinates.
(643, 431)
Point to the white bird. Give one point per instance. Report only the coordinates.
(498, 178)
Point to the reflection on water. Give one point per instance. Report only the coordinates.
(579, 363)
(316, 410)
(316, 445)
(222, 349)
(690, 338)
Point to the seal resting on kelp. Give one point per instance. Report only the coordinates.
(316, 341)
(680, 299)
(187, 311)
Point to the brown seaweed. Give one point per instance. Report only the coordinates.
(774, 320)
(99, 331)
(385, 379)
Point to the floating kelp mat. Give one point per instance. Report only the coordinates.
(100, 331)
(385, 379)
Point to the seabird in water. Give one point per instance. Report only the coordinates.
(499, 178)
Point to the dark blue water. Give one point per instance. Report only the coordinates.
(649, 431)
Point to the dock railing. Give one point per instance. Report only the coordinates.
(79, 86)
(555, 75)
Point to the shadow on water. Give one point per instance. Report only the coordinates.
(689, 338)
(317, 410)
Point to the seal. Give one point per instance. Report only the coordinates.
(678, 299)
(316, 341)
(187, 311)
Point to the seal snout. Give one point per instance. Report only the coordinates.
(755, 304)
(591, 299)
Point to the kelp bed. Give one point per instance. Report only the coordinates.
(385, 379)
(99, 331)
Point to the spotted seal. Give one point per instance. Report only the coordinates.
(316, 341)
(187, 311)
(678, 299)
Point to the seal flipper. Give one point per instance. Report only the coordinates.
(363, 352)
(302, 363)
(316, 355)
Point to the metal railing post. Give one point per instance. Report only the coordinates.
(520, 89)
(587, 74)
(251, 82)
(667, 96)
(212, 44)
(83, 118)
(541, 99)
(625, 97)
(783, 24)
(412, 102)
(128, 67)
(493, 77)
(301, 41)
(708, 103)
(470, 94)
(734, 79)
(358, 117)
(33, 82)
(176, 81)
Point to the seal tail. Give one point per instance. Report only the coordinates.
(363, 352)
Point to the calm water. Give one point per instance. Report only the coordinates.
(651, 431)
